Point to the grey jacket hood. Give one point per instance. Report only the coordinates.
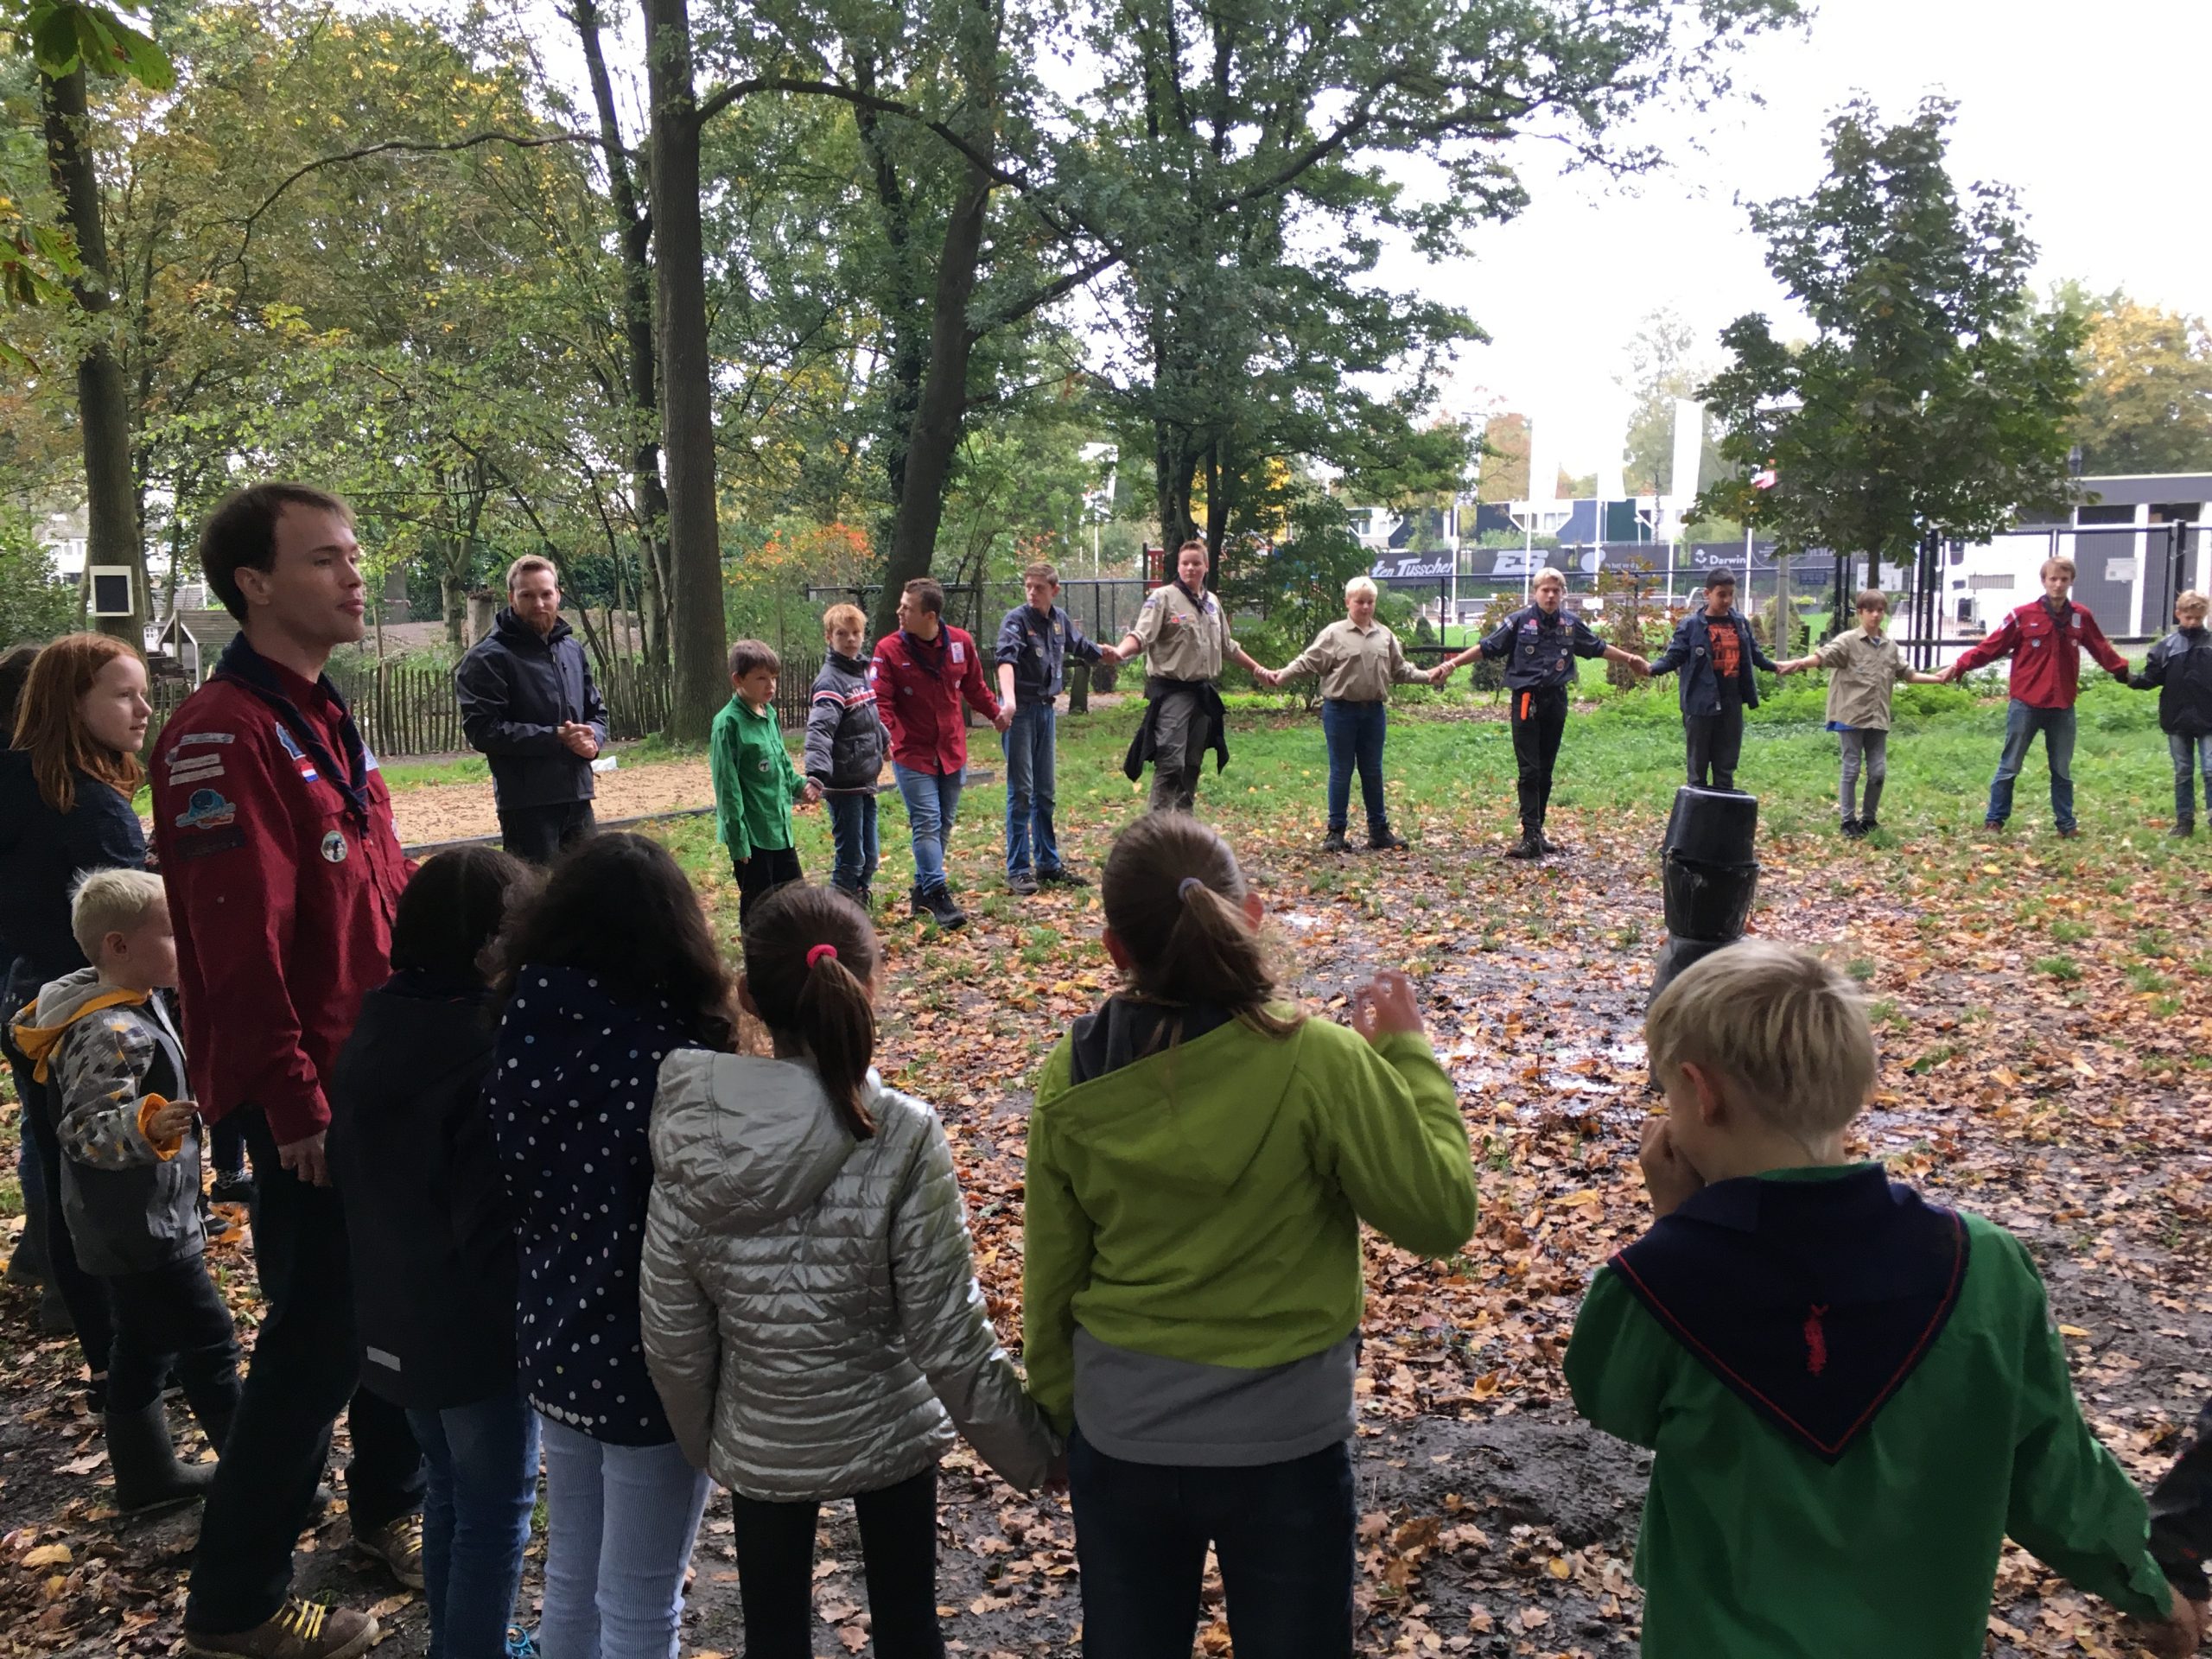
(742, 1142)
(60, 1001)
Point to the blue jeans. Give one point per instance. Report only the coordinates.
(1028, 746)
(620, 1521)
(1282, 1533)
(931, 799)
(1354, 731)
(482, 1462)
(2191, 755)
(2021, 725)
(852, 833)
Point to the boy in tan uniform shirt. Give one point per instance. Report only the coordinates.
(1866, 668)
(1183, 634)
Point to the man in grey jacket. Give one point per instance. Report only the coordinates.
(528, 704)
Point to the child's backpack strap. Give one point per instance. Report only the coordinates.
(1812, 1300)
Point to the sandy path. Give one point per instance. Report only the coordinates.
(435, 812)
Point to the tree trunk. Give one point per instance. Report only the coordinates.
(453, 608)
(102, 397)
(648, 495)
(694, 592)
(935, 434)
(1175, 466)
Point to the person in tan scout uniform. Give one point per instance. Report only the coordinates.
(1866, 667)
(1357, 661)
(1183, 634)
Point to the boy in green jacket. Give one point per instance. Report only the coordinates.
(1200, 1159)
(1854, 1394)
(755, 782)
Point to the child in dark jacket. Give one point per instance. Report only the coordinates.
(432, 1243)
(105, 1045)
(1854, 1396)
(845, 748)
(2180, 668)
(2181, 1522)
(606, 972)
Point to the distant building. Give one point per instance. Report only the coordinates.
(2139, 539)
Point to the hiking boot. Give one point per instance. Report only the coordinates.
(1060, 876)
(1992, 826)
(148, 1478)
(1546, 846)
(301, 1629)
(939, 906)
(1530, 845)
(2069, 832)
(398, 1545)
(1334, 842)
(54, 1319)
(2183, 828)
(1381, 841)
(233, 1186)
(1868, 826)
(1852, 828)
(1021, 881)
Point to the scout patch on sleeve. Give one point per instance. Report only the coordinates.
(195, 768)
(192, 738)
(206, 810)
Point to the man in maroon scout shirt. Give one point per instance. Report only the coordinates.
(276, 845)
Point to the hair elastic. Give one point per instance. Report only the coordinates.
(1183, 887)
(819, 951)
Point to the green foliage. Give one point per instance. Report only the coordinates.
(67, 34)
(2147, 397)
(1296, 589)
(35, 603)
(1930, 398)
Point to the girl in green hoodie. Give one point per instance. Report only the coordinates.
(1201, 1158)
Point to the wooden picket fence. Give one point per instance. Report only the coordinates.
(405, 708)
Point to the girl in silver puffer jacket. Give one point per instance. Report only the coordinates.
(812, 1316)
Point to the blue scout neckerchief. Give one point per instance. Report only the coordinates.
(243, 665)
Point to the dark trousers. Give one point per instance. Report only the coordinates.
(768, 868)
(1716, 743)
(85, 1295)
(169, 1318)
(1282, 1533)
(1539, 719)
(1178, 731)
(305, 1370)
(775, 1572)
(1354, 733)
(538, 835)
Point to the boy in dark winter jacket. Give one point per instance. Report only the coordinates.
(1714, 652)
(2181, 1520)
(845, 748)
(104, 1042)
(2180, 666)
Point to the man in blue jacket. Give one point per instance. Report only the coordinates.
(529, 705)
(1716, 654)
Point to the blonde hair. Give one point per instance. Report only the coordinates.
(843, 616)
(2191, 601)
(1786, 1027)
(1550, 573)
(112, 902)
(1362, 585)
(2056, 562)
(530, 562)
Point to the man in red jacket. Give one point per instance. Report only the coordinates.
(275, 833)
(921, 675)
(2045, 640)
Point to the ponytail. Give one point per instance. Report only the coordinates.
(809, 955)
(1175, 896)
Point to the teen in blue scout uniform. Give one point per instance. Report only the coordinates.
(1540, 643)
(1035, 641)
(1715, 652)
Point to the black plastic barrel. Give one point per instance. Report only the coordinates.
(1716, 826)
(1707, 901)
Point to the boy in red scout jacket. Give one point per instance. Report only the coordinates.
(2045, 640)
(275, 835)
(922, 674)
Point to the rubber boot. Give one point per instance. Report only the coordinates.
(147, 1476)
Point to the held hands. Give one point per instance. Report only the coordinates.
(2180, 1633)
(1639, 665)
(1002, 719)
(1667, 1174)
(1384, 1005)
(811, 793)
(1267, 676)
(1442, 671)
(1108, 657)
(578, 738)
(171, 1122)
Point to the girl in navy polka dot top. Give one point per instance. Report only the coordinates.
(608, 970)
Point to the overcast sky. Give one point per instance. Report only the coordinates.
(2087, 110)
